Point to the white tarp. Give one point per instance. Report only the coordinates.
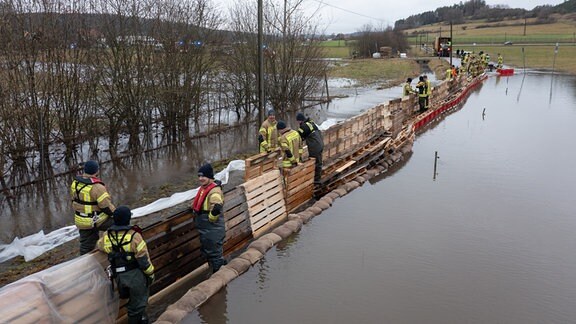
(77, 291)
(35, 245)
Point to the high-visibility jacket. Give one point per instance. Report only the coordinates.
(126, 250)
(89, 197)
(408, 89)
(449, 74)
(421, 86)
(428, 87)
(210, 195)
(290, 144)
(270, 134)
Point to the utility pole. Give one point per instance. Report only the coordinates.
(451, 41)
(524, 26)
(260, 62)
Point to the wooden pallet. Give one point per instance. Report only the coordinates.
(265, 199)
(260, 164)
(299, 182)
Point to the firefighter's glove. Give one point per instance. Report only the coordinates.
(260, 138)
(150, 280)
(215, 213)
(264, 147)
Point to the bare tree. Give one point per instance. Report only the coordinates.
(293, 64)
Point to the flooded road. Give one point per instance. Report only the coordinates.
(491, 239)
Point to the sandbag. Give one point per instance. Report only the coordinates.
(274, 238)
(321, 204)
(333, 195)
(239, 265)
(306, 216)
(226, 274)
(172, 315)
(210, 286)
(282, 231)
(328, 200)
(294, 216)
(360, 179)
(294, 225)
(251, 255)
(261, 245)
(315, 210)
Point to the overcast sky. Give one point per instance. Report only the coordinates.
(348, 16)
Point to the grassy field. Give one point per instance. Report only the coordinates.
(517, 31)
(534, 50)
(532, 56)
(391, 71)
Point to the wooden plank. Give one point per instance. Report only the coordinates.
(257, 217)
(248, 186)
(264, 229)
(269, 219)
(263, 190)
(345, 166)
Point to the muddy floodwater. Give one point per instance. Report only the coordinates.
(492, 239)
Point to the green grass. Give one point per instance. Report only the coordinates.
(368, 71)
(533, 56)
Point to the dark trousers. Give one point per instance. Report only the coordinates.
(317, 165)
(422, 103)
(89, 237)
(133, 285)
(212, 239)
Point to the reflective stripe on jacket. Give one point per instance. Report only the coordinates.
(89, 195)
(270, 134)
(132, 243)
(290, 140)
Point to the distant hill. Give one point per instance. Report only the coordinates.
(478, 9)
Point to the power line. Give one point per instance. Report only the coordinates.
(350, 11)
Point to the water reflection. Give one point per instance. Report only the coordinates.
(47, 206)
(490, 241)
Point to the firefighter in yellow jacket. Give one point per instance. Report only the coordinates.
(407, 90)
(129, 263)
(92, 206)
(208, 210)
(290, 145)
(268, 137)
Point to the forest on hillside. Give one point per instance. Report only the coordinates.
(478, 9)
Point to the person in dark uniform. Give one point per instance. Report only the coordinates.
(422, 93)
(310, 133)
(208, 210)
(92, 206)
(130, 263)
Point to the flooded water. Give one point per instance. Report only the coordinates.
(48, 207)
(492, 239)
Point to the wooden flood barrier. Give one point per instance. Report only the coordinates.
(299, 182)
(174, 243)
(262, 202)
(257, 165)
(265, 199)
